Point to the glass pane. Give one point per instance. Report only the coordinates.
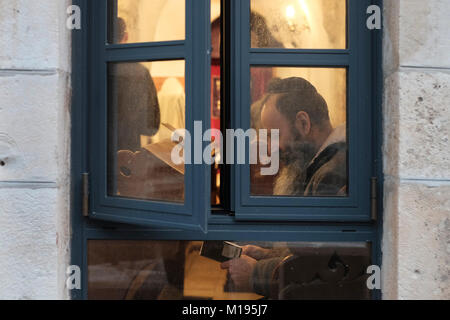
(146, 104)
(298, 24)
(216, 98)
(308, 108)
(133, 21)
(175, 270)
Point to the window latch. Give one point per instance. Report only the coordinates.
(85, 194)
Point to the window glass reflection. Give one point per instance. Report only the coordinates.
(216, 98)
(134, 21)
(222, 270)
(298, 24)
(146, 104)
(308, 107)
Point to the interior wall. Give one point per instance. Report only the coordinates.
(156, 20)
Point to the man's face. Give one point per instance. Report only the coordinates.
(293, 148)
(271, 118)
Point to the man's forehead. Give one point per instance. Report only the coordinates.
(270, 104)
(271, 117)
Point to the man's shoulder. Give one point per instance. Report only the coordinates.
(332, 157)
(330, 171)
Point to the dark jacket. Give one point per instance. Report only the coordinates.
(134, 105)
(327, 174)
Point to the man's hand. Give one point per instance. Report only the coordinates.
(241, 271)
(255, 252)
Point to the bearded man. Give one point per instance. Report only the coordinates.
(313, 154)
(314, 159)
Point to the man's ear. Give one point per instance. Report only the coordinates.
(303, 123)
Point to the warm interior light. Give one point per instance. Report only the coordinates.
(305, 9)
(290, 12)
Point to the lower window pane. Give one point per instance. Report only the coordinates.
(176, 270)
(146, 104)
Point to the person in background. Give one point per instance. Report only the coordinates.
(135, 100)
(172, 109)
(261, 36)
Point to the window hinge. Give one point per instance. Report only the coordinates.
(85, 194)
(374, 198)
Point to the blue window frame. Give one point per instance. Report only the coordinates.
(193, 50)
(251, 218)
(357, 60)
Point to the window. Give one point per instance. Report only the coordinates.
(286, 87)
(178, 270)
(145, 70)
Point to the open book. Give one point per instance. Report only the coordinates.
(163, 150)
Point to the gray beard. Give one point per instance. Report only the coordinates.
(291, 179)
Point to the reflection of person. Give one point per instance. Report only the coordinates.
(262, 37)
(313, 154)
(137, 101)
(252, 271)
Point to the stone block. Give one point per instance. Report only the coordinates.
(28, 248)
(29, 125)
(424, 241)
(424, 33)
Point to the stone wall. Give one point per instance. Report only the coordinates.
(34, 149)
(416, 241)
